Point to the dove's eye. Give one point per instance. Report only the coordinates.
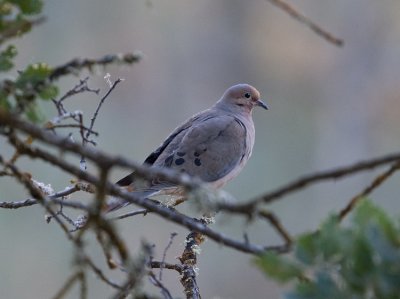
(247, 95)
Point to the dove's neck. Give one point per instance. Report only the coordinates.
(243, 113)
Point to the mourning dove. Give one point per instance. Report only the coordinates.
(213, 145)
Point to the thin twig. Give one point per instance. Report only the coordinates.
(68, 285)
(100, 274)
(306, 21)
(375, 184)
(275, 222)
(130, 214)
(135, 272)
(164, 256)
(85, 138)
(36, 193)
(68, 126)
(157, 282)
(93, 119)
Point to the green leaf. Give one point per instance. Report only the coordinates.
(4, 103)
(357, 261)
(33, 113)
(278, 267)
(306, 248)
(5, 8)
(368, 213)
(29, 7)
(6, 57)
(49, 92)
(330, 239)
(34, 74)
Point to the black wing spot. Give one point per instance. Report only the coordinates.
(181, 154)
(179, 161)
(197, 162)
(168, 161)
(196, 154)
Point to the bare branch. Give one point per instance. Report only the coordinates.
(188, 260)
(78, 64)
(52, 199)
(251, 206)
(157, 265)
(18, 204)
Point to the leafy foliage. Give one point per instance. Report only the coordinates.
(359, 261)
(19, 95)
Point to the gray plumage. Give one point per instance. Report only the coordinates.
(213, 145)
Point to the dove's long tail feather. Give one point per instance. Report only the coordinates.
(115, 203)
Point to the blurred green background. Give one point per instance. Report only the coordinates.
(329, 107)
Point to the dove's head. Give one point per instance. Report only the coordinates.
(241, 98)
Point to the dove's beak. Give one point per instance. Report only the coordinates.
(261, 104)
